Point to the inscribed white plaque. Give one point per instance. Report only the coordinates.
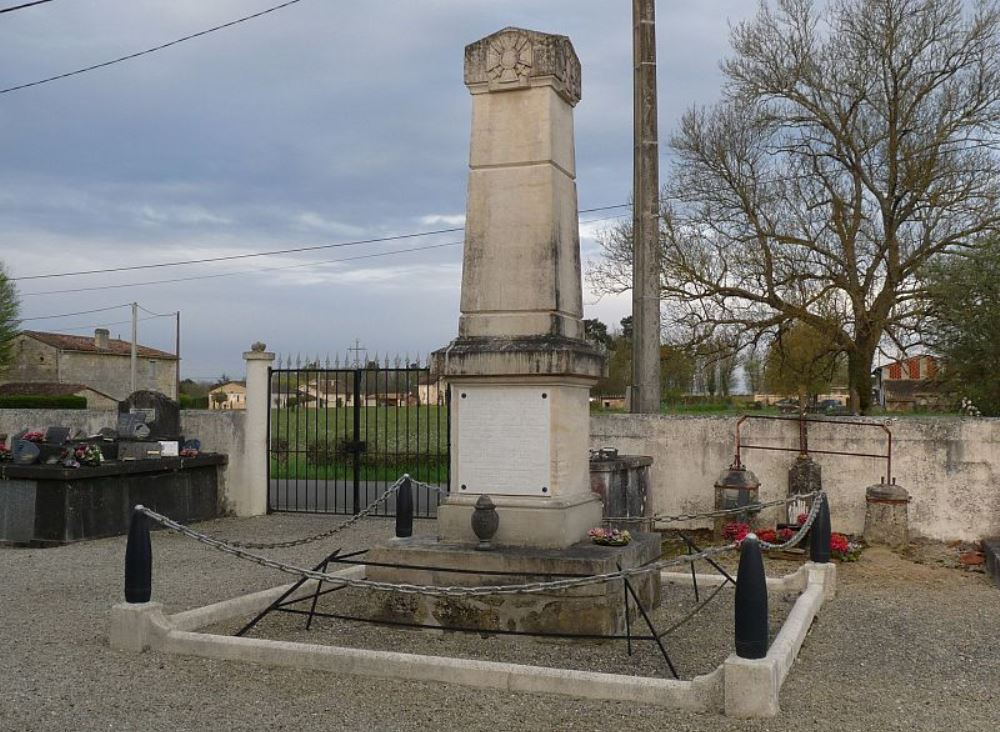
(503, 440)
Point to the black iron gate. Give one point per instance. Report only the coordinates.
(338, 437)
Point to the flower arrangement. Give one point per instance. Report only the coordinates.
(735, 531)
(843, 549)
(33, 436)
(88, 455)
(609, 537)
(4, 453)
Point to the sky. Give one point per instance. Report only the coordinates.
(326, 122)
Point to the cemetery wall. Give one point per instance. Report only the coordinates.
(949, 465)
(222, 432)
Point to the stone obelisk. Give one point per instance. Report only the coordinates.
(520, 369)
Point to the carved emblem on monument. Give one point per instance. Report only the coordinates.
(509, 57)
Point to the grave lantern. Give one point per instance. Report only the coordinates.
(736, 486)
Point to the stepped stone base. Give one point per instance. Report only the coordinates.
(597, 609)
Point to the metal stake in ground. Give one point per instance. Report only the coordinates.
(404, 509)
(751, 602)
(138, 559)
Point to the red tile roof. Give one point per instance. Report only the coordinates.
(86, 343)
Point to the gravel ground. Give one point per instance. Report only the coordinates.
(903, 647)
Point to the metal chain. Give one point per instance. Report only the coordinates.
(428, 486)
(340, 527)
(326, 534)
(803, 529)
(432, 590)
(237, 549)
(752, 507)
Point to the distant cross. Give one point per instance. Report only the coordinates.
(358, 348)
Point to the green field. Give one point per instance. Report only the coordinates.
(313, 443)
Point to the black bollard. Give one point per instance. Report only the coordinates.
(751, 602)
(819, 542)
(138, 560)
(404, 509)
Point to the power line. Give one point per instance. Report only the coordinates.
(242, 272)
(117, 322)
(270, 253)
(231, 257)
(137, 54)
(158, 315)
(277, 269)
(22, 6)
(81, 312)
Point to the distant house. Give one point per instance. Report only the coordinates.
(284, 396)
(95, 399)
(100, 363)
(432, 390)
(909, 384)
(375, 388)
(231, 395)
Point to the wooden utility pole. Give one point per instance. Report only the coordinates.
(135, 346)
(177, 352)
(645, 389)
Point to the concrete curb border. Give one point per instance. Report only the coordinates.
(739, 687)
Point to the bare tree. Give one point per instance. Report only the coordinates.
(853, 144)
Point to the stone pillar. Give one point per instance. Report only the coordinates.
(520, 370)
(886, 515)
(249, 491)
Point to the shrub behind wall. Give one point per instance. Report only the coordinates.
(43, 402)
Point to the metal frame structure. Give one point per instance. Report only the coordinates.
(803, 448)
(286, 605)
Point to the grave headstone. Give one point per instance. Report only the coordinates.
(128, 425)
(158, 412)
(56, 435)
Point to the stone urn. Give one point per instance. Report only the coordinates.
(485, 522)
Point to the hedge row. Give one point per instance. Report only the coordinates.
(43, 402)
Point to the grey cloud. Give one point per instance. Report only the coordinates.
(319, 123)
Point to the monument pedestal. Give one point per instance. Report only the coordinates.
(594, 609)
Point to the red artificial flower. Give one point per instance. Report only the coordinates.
(801, 518)
(735, 531)
(768, 535)
(839, 544)
(785, 534)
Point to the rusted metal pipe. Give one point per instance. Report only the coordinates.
(803, 448)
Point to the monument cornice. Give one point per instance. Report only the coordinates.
(517, 58)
